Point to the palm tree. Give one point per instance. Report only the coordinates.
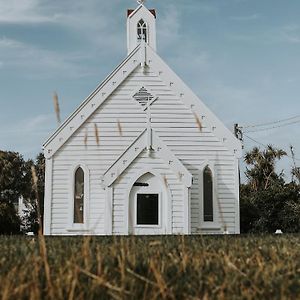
(262, 172)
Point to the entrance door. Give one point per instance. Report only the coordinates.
(147, 211)
(147, 206)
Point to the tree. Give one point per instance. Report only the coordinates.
(262, 172)
(9, 220)
(14, 183)
(31, 219)
(267, 202)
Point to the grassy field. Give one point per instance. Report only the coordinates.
(175, 267)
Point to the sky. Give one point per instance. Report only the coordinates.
(241, 57)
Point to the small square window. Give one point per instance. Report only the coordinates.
(147, 209)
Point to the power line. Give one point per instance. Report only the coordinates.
(271, 123)
(257, 142)
(273, 127)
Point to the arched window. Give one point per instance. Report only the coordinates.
(142, 31)
(208, 195)
(78, 196)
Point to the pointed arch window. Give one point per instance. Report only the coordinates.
(78, 196)
(142, 31)
(208, 195)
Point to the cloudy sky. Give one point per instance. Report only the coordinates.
(242, 57)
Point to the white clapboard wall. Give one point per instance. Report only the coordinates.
(176, 125)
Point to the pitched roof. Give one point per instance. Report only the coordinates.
(130, 11)
(91, 103)
(192, 101)
(102, 92)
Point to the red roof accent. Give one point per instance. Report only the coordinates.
(130, 11)
(153, 12)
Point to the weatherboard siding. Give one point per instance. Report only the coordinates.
(176, 125)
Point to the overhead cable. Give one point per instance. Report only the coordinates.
(257, 142)
(273, 127)
(271, 123)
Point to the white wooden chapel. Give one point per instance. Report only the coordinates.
(142, 154)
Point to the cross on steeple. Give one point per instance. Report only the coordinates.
(141, 1)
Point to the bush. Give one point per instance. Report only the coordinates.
(277, 207)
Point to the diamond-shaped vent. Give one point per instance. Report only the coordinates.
(143, 96)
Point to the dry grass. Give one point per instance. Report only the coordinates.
(120, 129)
(56, 108)
(170, 267)
(96, 131)
(85, 139)
(198, 122)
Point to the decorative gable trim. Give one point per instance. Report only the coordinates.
(91, 103)
(192, 101)
(122, 163)
(142, 96)
(132, 152)
(149, 90)
(175, 164)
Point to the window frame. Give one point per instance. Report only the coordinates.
(147, 31)
(215, 224)
(81, 196)
(79, 226)
(211, 198)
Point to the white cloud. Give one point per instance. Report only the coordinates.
(10, 43)
(97, 30)
(177, 47)
(200, 7)
(168, 27)
(22, 11)
(34, 125)
(290, 34)
(245, 18)
(27, 135)
(34, 61)
(83, 18)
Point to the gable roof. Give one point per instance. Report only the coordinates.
(91, 103)
(191, 100)
(104, 90)
(134, 150)
(132, 12)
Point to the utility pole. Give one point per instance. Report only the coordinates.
(238, 132)
(295, 169)
(239, 135)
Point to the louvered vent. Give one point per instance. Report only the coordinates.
(142, 96)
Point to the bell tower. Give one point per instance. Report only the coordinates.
(141, 24)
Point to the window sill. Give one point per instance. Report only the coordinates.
(148, 226)
(208, 226)
(77, 228)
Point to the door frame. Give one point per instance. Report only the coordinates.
(167, 193)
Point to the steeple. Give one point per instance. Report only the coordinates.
(141, 24)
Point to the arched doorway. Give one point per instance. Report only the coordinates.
(148, 206)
